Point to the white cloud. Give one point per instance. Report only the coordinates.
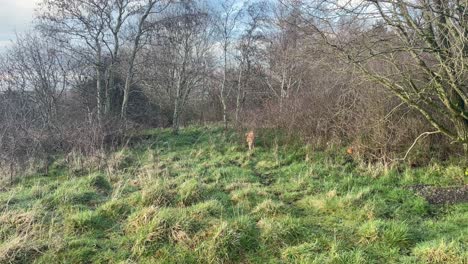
(15, 16)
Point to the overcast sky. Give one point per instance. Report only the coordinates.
(15, 16)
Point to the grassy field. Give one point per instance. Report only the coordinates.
(201, 198)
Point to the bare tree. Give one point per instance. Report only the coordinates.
(116, 17)
(142, 27)
(228, 21)
(101, 62)
(34, 78)
(80, 25)
(249, 49)
(38, 67)
(180, 56)
(286, 52)
(420, 47)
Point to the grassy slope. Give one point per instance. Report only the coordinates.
(200, 198)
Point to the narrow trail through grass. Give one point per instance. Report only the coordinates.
(200, 197)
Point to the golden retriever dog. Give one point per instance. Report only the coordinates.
(250, 138)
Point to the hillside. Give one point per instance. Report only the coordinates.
(200, 197)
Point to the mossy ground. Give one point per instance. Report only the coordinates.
(200, 197)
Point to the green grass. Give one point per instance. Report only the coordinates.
(200, 197)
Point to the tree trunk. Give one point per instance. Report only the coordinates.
(136, 46)
(224, 114)
(177, 102)
(98, 81)
(12, 172)
(106, 91)
(128, 80)
(223, 102)
(123, 110)
(175, 118)
(462, 132)
(112, 100)
(99, 93)
(239, 92)
(223, 87)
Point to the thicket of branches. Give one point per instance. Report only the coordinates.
(375, 75)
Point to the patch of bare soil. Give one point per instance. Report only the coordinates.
(442, 195)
